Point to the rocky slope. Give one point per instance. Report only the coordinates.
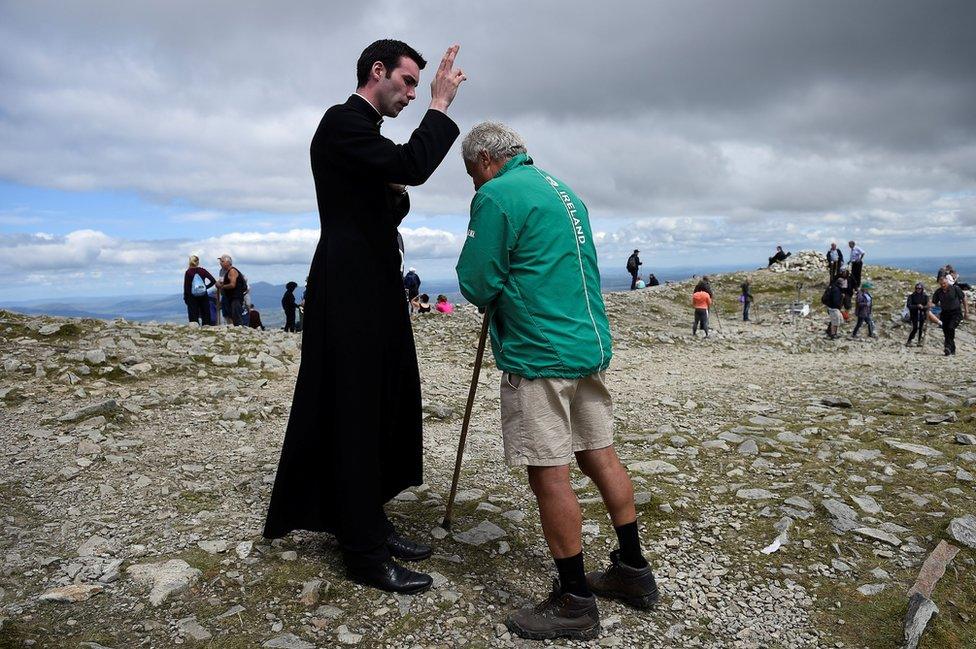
(790, 487)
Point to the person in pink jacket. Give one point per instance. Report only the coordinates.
(443, 306)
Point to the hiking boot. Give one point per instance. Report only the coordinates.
(632, 586)
(561, 615)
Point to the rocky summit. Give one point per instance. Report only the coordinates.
(792, 490)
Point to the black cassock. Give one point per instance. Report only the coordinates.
(354, 437)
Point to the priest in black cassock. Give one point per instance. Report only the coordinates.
(354, 435)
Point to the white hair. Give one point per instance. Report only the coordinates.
(494, 138)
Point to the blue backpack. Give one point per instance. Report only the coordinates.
(199, 287)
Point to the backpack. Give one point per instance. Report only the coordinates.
(631, 264)
(198, 288)
(825, 298)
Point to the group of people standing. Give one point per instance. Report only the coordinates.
(946, 307)
(205, 294)
(208, 297)
(844, 289)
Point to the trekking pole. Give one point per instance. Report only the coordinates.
(446, 524)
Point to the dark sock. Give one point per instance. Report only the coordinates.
(630, 550)
(572, 579)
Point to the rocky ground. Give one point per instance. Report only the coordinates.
(789, 487)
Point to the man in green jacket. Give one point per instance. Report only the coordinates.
(529, 258)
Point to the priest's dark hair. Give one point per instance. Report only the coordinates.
(388, 52)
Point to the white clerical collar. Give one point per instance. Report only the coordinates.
(380, 115)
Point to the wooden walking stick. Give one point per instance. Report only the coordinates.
(446, 524)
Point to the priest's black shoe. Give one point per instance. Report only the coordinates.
(391, 576)
(407, 550)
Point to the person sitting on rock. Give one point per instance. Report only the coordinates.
(778, 257)
(640, 282)
(652, 280)
(254, 318)
(423, 305)
(551, 340)
(443, 306)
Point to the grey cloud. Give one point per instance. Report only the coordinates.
(730, 114)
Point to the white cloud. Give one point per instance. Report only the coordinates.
(94, 254)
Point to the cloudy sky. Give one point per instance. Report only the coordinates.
(134, 134)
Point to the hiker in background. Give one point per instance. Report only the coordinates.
(846, 291)
(234, 286)
(443, 306)
(918, 306)
(833, 299)
(195, 292)
(640, 282)
(423, 304)
(290, 305)
(633, 267)
(746, 299)
(254, 318)
(705, 284)
(778, 257)
(856, 262)
(700, 300)
(411, 284)
(862, 310)
(652, 281)
(835, 260)
(301, 309)
(953, 276)
(212, 302)
(951, 299)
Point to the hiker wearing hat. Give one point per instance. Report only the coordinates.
(918, 307)
(633, 267)
(863, 310)
(411, 284)
(290, 305)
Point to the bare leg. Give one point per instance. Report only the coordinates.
(559, 510)
(603, 467)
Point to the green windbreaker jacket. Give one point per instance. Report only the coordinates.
(529, 254)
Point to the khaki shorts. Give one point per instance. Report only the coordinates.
(835, 317)
(545, 421)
